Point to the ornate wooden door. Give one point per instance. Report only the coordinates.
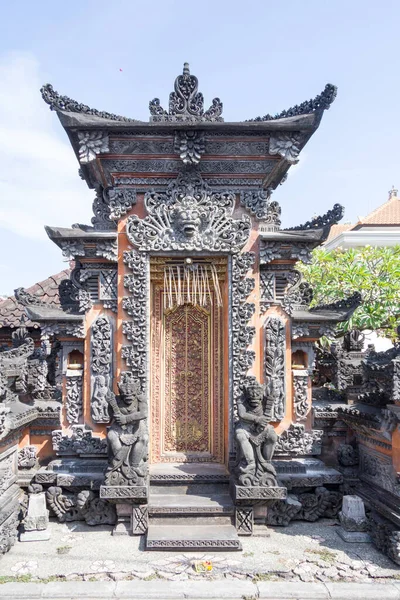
(186, 375)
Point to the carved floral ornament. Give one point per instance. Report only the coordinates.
(186, 103)
(189, 216)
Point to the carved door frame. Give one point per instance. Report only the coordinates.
(217, 391)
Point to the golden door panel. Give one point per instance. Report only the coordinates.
(186, 391)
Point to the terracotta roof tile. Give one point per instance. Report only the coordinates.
(386, 214)
(12, 313)
(337, 230)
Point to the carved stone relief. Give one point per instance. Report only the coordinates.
(188, 216)
(74, 398)
(319, 103)
(275, 349)
(255, 437)
(101, 368)
(27, 457)
(241, 333)
(259, 204)
(136, 354)
(270, 251)
(332, 217)
(119, 201)
(186, 103)
(300, 396)
(190, 145)
(287, 145)
(81, 442)
(128, 435)
(300, 330)
(92, 143)
(295, 441)
(80, 506)
(107, 249)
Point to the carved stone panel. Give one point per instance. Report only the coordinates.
(295, 441)
(136, 306)
(27, 457)
(189, 216)
(275, 350)
(300, 396)
(74, 400)
(241, 333)
(244, 520)
(140, 519)
(101, 368)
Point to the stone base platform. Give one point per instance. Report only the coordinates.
(193, 537)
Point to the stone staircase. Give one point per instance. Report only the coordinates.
(190, 508)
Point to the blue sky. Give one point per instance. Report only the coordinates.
(257, 56)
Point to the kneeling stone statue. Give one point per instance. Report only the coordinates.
(127, 437)
(255, 437)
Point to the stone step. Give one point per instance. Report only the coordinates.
(190, 504)
(190, 519)
(192, 537)
(187, 473)
(201, 489)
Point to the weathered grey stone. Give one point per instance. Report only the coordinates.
(352, 515)
(36, 520)
(289, 589)
(354, 537)
(351, 591)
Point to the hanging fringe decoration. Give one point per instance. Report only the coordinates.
(190, 284)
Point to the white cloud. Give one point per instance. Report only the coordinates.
(39, 182)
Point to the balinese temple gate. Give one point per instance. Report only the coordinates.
(175, 395)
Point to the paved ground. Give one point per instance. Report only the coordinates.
(307, 552)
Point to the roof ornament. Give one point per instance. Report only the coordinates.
(186, 103)
(319, 103)
(329, 218)
(58, 102)
(393, 192)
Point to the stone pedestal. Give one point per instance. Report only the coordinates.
(36, 520)
(131, 507)
(353, 521)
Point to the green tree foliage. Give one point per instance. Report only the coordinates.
(372, 271)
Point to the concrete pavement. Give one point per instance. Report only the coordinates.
(199, 590)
